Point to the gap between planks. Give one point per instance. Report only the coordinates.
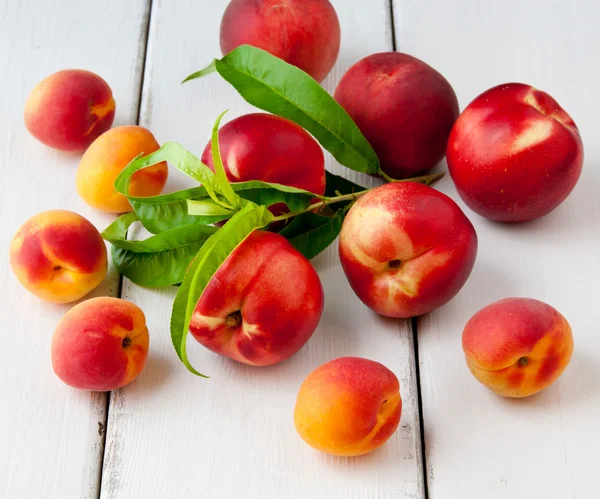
(414, 329)
(140, 76)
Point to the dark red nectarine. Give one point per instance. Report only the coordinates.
(404, 108)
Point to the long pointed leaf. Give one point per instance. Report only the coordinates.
(157, 261)
(311, 234)
(273, 85)
(169, 211)
(221, 176)
(211, 68)
(178, 157)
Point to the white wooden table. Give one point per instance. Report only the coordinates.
(172, 435)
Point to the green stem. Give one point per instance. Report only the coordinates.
(424, 179)
(321, 204)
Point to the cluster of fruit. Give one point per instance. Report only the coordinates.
(58, 255)
(514, 155)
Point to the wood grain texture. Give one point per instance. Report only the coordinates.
(50, 443)
(171, 434)
(479, 445)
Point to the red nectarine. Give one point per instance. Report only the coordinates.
(514, 154)
(265, 147)
(305, 33)
(263, 303)
(406, 249)
(404, 108)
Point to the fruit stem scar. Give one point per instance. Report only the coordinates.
(126, 342)
(394, 264)
(523, 361)
(234, 319)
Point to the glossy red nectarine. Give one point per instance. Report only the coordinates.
(406, 249)
(263, 303)
(514, 154)
(265, 147)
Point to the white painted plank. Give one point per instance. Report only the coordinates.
(49, 433)
(171, 434)
(477, 444)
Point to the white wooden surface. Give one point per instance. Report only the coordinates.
(171, 434)
(49, 440)
(477, 444)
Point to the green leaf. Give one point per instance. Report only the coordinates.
(207, 208)
(310, 233)
(117, 231)
(170, 211)
(211, 68)
(273, 85)
(208, 260)
(222, 181)
(267, 194)
(335, 184)
(157, 261)
(178, 157)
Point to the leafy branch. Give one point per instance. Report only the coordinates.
(186, 247)
(273, 85)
